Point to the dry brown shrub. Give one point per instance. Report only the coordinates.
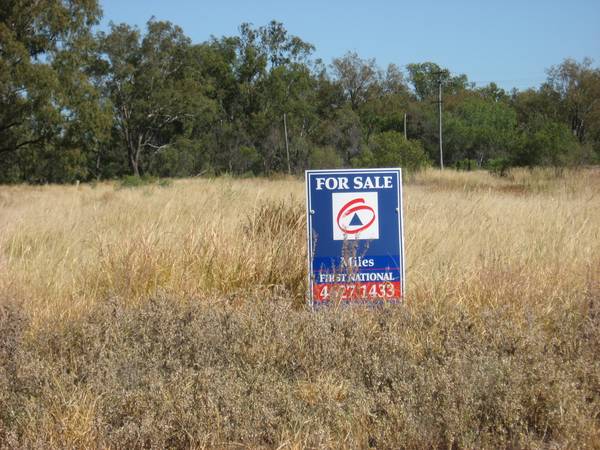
(175, 318)
(276, 220)
(260, 374)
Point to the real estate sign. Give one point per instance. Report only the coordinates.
(355, 236)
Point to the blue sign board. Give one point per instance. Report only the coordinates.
(355, 236)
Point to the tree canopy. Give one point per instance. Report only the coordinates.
(79, 104)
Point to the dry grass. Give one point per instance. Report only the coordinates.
(173, 317)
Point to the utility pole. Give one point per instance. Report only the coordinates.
(439, 74)
(287, 147)
(405, 127)
(440, 114)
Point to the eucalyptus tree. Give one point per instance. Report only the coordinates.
(43, 82)
(578, 87)
(387, 105)
(357, 76)
(480, 128)
(425, 78)
(277, 86)
(154, 87)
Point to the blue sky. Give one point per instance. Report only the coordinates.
(510, 42)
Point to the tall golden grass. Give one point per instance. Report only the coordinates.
(201, 285)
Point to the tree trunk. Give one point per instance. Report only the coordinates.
(287, 147)
(134, 162)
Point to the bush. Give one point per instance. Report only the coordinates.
(248, 159)
(177, 160)
(466, 164)
(165, 182)
(552, 144)
(391, 149)
(499, 166)
(132, 181)
(325, 158)
(271, 220)
(176, 374)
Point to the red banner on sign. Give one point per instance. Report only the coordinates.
(371, 291)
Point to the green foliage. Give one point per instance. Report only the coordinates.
(551, 144)
(344, 132)
(425, 79)
(548, 143)
(479, 129)
(165, 182)
(248, 158)
(357, 77)
(152, 84)
(133, 181)
(182, 158)
(74, 106)
(577, 86)
(499, 166)
(46, 98)
(466, 164)
(325, 158)
(391, 149)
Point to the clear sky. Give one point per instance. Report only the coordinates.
(511, 42)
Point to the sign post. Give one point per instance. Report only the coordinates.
(355, 236)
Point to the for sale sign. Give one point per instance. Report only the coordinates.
(355, 236)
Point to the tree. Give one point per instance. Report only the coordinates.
(533, 103)
(391, 149)
(325, 158)
(153, 87)
(280, 48)
(344, 132)
(493, 92)
(75, 106)
(578, 87)
(480, 128)
(358, 77)
(260, 77)
(425, 78)
(548, 143)
(38, 91)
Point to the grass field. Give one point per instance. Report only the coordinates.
(174, 316)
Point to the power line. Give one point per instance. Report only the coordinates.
(536, 80)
